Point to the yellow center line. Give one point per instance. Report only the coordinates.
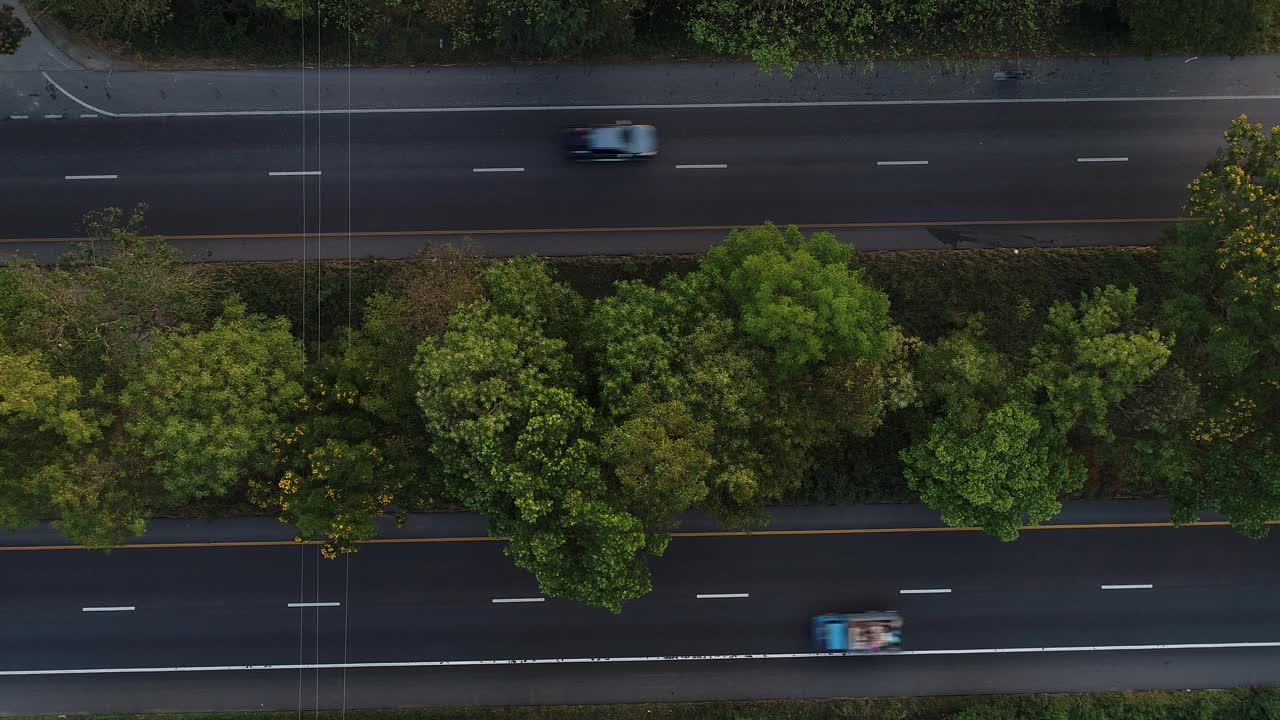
(705, 534)
(653, 228)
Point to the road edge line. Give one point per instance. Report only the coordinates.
(75, 99)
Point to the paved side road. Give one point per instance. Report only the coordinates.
(34, 91)
(464, 524)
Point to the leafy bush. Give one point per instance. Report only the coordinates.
(1235, 27)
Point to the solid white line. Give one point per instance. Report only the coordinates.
(931, 591)
(717, 596)
(678, 106)
(1126, 587)
(654, 658)
(18, 117)
(1103, 159)
(52, 117)
(90, 177)
(510, 169)
(903, 162)
(293, 173)
(720, 166)
(75, 99)
(313, 604)
(119, 608)
(517, 600)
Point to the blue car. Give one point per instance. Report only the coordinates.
(858, 633)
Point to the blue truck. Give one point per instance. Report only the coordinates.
(864, 633)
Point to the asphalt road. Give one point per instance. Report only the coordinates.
(402, 174)
(412, 603)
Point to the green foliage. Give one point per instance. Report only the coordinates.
(201, 407)
(661, 460)
(1087, 362)
(1226, 311)
(999, 454)
(523, 288)
(543, 27)
(118, 19)
(516, 442)
(783, 35)
(963, 374)
(97, 311)
(798, 298)
(1235, 27)
(1007, 471)
(42, 426)
(12, 31)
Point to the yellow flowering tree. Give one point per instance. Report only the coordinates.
(1227, 317)
(333, 481)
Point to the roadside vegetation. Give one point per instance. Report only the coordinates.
(584, 416)
(12, 31)
(772, 34)
(1242, 704)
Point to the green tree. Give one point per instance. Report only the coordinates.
(517, 443)
(357, 444)
(1000, 454)
(12, 31)
(202, 407)
(1007, 471)
(1236, 27)
(1226, 312)
(798, 298)
(524, 288)
(661, 460)
(43, 430)
(1091, 357)
(98, 310)
(91, 320)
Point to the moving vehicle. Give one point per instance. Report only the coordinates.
(858, 633)
(618, 141)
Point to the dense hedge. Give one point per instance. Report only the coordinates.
(931, 291)
(772, 34)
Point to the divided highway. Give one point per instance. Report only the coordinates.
(421, 611)
(503, 170)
